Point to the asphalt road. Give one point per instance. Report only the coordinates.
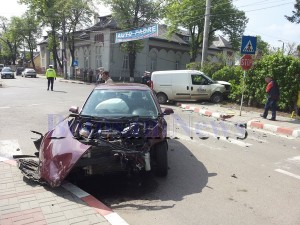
(213, 178)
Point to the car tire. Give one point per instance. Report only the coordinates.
(161, 159)
(216, 97)
(162, 98)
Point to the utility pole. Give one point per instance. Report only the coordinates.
(64, 52)
(206, 31)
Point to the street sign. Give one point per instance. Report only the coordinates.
(246, 62)
(140, 33)
(75, 63)
(248, 45)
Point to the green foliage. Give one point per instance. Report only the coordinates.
(189, 14)
(285, 70)
(212, 65)
(233, 75)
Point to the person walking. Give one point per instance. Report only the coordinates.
(273, 96)
(50, 75)
(106, 78)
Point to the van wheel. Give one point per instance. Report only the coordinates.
(162, 98)
(216, 98)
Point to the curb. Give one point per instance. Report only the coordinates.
(71, 81)
(204, 112)
(112, 217)
(251, 123)
(274, 128)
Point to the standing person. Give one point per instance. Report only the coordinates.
(273, 95)
(99, 76)
(146, 79)
(51, 75)
(106, 78)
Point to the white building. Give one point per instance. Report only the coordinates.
(96, 47)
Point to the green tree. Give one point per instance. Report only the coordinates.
(295, 18)
(189, 14)
(48, 12)
(77, 15)
(262, 47)
(131, 14)
(28, 28)
(10, 39)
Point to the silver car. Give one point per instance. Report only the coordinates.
(29, 72)
(7, 72)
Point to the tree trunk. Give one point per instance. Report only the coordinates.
(131, 58)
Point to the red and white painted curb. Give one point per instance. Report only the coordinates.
(274, 128)
(205, 112)
(112, 217)
(251, 123)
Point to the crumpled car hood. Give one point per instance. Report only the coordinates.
(59, 152)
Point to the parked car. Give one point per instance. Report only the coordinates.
(7, 72)
(187, 85)
(121, 128)
(29, 72)
(19, 70)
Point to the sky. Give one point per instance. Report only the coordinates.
(266, 19)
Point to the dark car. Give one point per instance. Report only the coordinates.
(19, 70)
(7, 72)
(121, 128)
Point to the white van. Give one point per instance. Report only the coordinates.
(187, 85)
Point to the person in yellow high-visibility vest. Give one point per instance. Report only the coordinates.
(51, 75)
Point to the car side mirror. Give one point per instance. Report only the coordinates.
(168, 111)
(74, 109)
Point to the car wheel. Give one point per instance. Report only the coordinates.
(162, 98)
(161, 159)
(216, 97)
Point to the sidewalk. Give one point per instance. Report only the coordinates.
(283, 125)
(26, 202)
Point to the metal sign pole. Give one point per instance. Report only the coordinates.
(243, 93)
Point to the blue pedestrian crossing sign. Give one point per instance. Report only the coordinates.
(75, 63)
(248, 45)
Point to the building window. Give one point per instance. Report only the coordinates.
(153, 61)
(98, 57)
(86, 63)
(177, 62)
(99, 38)
(112, 38)
(125, 62)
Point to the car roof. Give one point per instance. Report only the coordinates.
(122, 86)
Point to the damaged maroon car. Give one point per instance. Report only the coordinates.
(121, 128)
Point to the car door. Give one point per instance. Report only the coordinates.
(200, 87)
(181, 86)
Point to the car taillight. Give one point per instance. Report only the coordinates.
(151, 84)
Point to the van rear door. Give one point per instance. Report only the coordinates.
(200, 87)
(181, 86)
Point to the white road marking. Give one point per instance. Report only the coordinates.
(34, 104)
(5, 107)
(288, 173)
(294, 159)
(8, 148)
(201, 133)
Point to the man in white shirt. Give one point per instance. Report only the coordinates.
(106, 78)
